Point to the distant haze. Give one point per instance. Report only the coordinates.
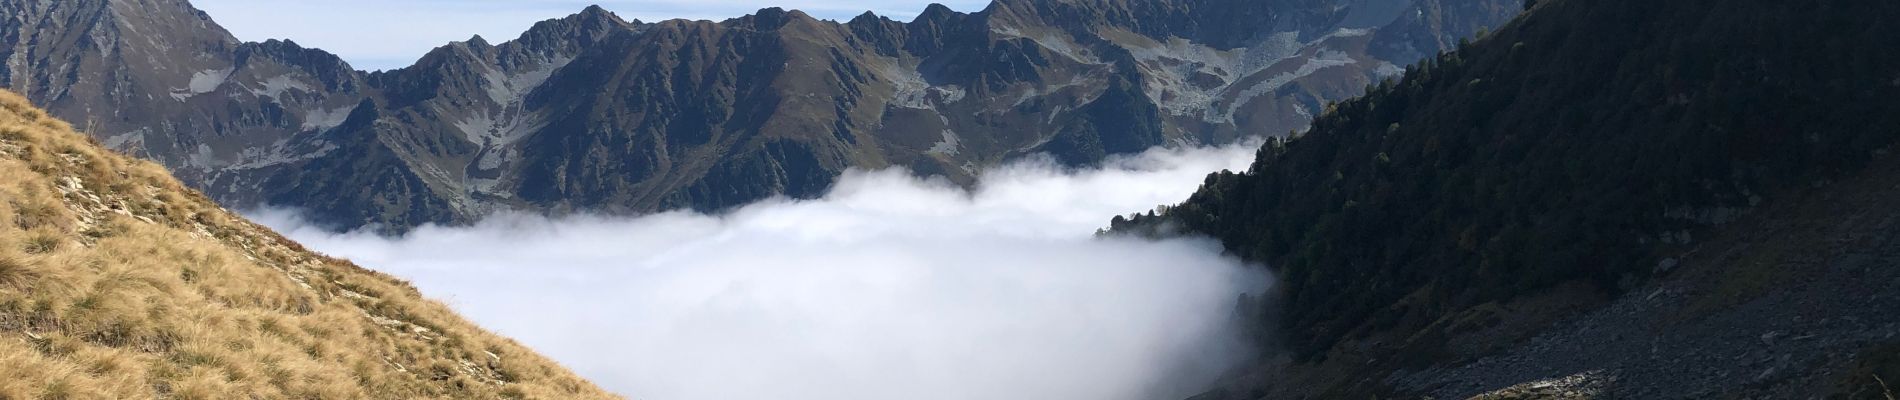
(390, 34)
(888, 287)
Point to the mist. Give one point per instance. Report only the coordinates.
(890, 286)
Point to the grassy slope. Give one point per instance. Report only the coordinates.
(118, 282)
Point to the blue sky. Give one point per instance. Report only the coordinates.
(387, 34)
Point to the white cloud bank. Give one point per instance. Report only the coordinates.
(889, 287)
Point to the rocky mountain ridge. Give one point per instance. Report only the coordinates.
(595, 113)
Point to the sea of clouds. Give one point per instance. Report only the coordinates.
(888, 287)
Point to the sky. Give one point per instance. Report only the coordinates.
(389, 34)
(890, 286)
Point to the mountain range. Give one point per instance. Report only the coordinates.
(598, 114)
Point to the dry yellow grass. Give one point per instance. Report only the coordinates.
(118, 282)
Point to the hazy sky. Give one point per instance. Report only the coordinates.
(889, 287)
(387, 34)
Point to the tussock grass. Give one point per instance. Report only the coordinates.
(116, 281)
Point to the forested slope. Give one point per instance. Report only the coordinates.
(1586, 142)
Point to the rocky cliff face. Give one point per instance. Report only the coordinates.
(592, 112)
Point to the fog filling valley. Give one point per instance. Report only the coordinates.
(889, 286)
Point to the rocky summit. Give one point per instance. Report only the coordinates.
(592, 112)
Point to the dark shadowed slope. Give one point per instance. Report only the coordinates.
(591, 112)
(1583, 152)
(116, 281)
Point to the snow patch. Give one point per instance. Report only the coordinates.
(207, 81)
(201, 159)
(121, 142)
(949, 146)
(278, 85)
(320, 119)
(949, 93)
(202, 82)
(1350, 32)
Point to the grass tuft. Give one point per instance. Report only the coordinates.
(41, 244)
(16, 273)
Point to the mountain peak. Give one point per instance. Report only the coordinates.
(588, 19)
(174, 16)
(771, 18)
(866, 17)
(566, 35)
(595, 14)
(280, 42)
(770, 12)
(935, 12)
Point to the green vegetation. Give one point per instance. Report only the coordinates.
(1583, 142)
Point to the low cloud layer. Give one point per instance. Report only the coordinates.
(888, 287)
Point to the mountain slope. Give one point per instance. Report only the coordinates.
(1575, 157)
(116, 281)
(594, 113)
